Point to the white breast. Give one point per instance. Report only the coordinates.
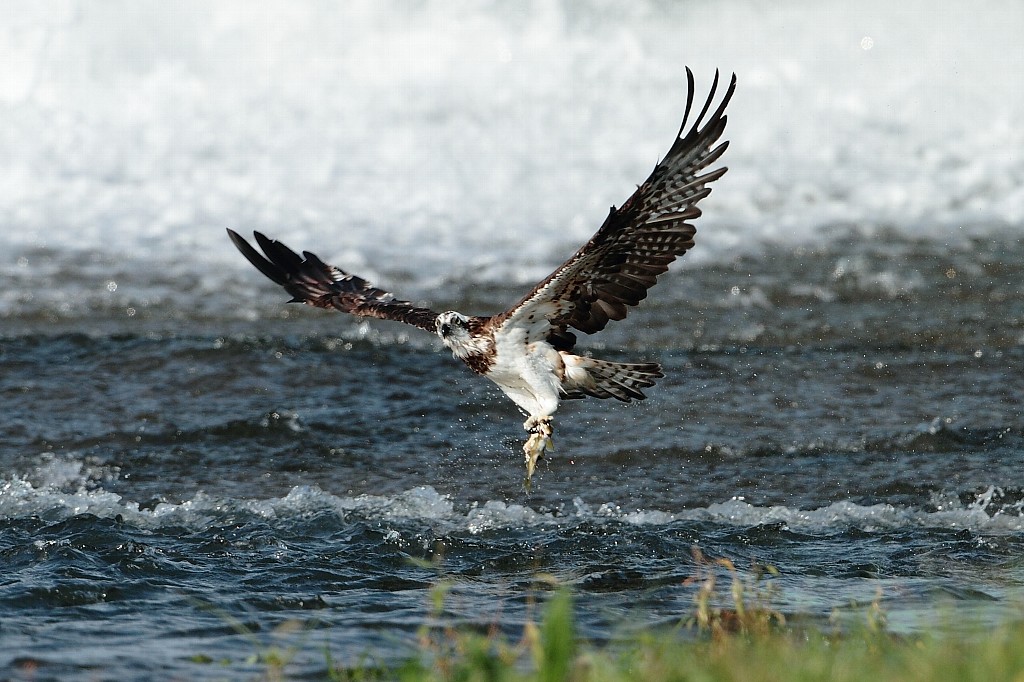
(528, 373)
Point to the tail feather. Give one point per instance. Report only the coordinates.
(603, 379)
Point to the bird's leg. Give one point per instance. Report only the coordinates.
(539, 441)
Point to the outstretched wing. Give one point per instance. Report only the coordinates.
(309, 280)
(636, 243)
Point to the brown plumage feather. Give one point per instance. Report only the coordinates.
(608, 275)
(311, 281)
(638, 241)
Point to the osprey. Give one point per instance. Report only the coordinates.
(527, 350)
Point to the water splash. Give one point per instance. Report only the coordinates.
(63, 490)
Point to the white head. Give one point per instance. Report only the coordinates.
(467, 338)
(453, 328)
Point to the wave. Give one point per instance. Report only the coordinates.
(66, 489)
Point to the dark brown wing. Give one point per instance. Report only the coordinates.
(309, 280)
(636, 243)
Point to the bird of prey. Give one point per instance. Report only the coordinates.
(527, 350)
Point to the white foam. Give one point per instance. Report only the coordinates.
(63, 487)
(871, 518)
(492, 136)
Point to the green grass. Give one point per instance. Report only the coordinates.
(751, 648)
(747, 640)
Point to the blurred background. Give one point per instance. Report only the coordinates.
(424, 144)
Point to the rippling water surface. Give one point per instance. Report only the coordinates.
(182, 454)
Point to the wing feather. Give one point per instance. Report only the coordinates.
(311, 281)
(638, 241)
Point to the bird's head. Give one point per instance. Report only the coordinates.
(452, 327)
(454, 330)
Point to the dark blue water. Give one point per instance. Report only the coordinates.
(184, 488)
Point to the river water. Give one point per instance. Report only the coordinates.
(184, 456)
